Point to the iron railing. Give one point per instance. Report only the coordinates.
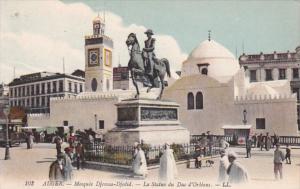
(123, 155)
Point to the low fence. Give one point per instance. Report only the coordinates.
(290, 140)
(123, 155)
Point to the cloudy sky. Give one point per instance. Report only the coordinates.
(36, 35)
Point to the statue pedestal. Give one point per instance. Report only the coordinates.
(153, 121)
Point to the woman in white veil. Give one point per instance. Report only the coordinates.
(139, 162)
(167, 168)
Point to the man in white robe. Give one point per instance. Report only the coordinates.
(237, 174)
(167, 168)
(224, 163)
(139, 164)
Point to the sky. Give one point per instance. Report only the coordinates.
(36, 35)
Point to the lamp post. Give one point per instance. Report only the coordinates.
(245, 117)
(96, 121)
(6, 110)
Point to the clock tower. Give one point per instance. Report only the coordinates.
(98, 59)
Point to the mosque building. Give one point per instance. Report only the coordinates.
(213, 92)
(215, 95)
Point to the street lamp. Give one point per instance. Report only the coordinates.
(96, 121)
(245, 117)
(6, 111)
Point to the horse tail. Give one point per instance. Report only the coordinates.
(167, 67)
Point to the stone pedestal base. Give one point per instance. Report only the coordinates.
(153, 135)
(153, 121)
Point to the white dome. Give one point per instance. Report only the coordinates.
(210, 49)
(221, 62)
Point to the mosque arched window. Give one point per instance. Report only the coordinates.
(199, 100)
(190, 101)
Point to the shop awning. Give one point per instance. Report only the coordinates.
(236, 126)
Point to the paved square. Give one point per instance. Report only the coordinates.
(33, 165)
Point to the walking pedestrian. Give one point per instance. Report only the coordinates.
(68, 168)
(58, 143)
(278, 159)
(267, 142)
(167, 168)
(248, 146)
(139, 162)
(56, 171)
(237, 174)
(261, 141)
(288, 154)
(79, 155)
(224, 163)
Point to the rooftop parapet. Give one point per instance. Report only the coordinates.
(265, 98)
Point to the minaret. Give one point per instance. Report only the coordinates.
(98, 59)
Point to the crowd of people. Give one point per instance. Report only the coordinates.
(230, 170)
(73, 154)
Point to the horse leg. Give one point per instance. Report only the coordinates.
(135, 84)
(161, 77)
(151, 80)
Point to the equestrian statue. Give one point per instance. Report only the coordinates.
(144, 65)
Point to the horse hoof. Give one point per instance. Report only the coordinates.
(136, 96)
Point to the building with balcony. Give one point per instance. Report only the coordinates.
(274, 66)
(33, 91)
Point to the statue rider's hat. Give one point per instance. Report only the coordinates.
(149, 31)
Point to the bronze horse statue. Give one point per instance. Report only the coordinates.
(137, 67)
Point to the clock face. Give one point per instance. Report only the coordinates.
(93, 57)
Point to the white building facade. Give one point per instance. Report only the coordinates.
(33, 91)
(275, 66)
(215, 95)
(213, 92)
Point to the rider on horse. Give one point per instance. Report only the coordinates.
(149, 57)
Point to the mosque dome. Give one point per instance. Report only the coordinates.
(210, 49)
(212, 56)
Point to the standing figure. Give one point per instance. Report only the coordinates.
(224, 163)
(148, 54)
(237, 174)
(42, 136)
(58, 143)
(210, 142)
(268, 142)
(288, 154)
(260, 141)
(68, 168)
(56, 171)
(197, 156)
(224, 144)
(31, 138)
(79, 155)
(254, 140)
(71, 140)
(28, 140)
(275, 140)
(248, 146)
(278, 159)
(167, 165)
(139, 164)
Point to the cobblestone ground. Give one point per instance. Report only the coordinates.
(26, 166)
